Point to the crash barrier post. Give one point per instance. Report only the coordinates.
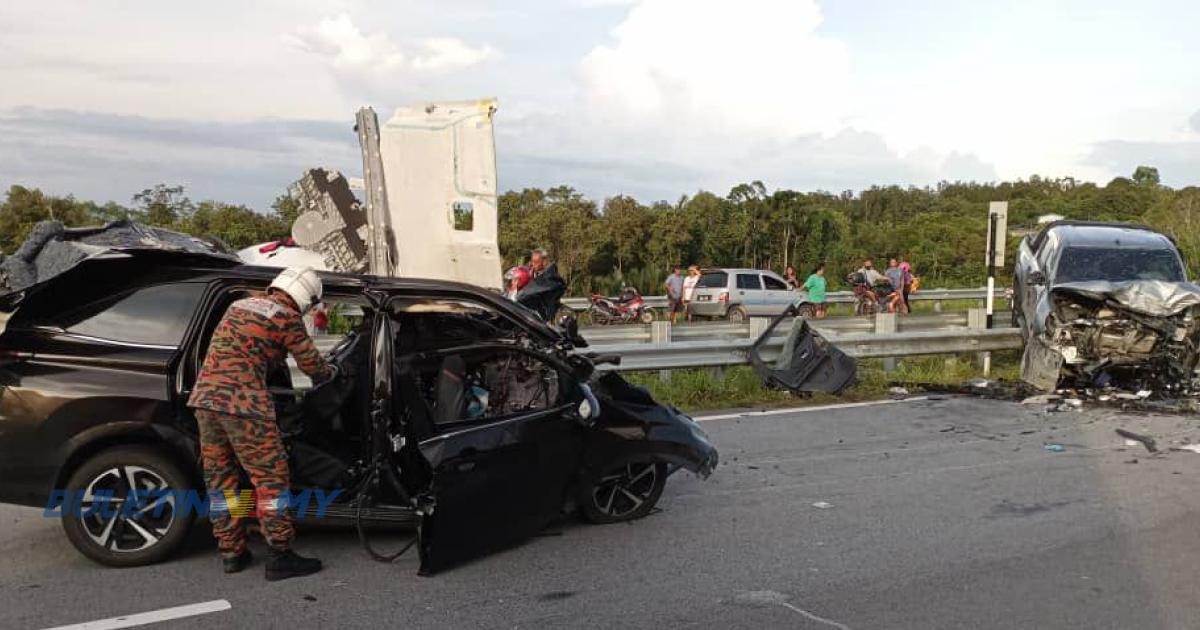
(885, 323)
(977, 320)
(660, 332)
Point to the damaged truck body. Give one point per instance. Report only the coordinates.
(455, 411)
(1105, 304)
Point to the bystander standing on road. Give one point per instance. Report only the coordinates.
(815, 285)
(910, 282)
(689, 287)
(789, 276)
(896, 276)
(674, 286)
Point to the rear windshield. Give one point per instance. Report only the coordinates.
(713, 280)
(1083, 264)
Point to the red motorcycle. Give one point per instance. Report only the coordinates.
(628, 308)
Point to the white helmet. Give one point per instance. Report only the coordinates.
(301, 283)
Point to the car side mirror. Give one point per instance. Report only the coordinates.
(1037, 278)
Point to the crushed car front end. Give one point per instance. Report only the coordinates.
(1137, 334)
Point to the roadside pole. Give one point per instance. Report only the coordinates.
(997, 229)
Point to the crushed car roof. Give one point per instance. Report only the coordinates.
(50, 249)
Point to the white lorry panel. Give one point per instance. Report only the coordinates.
(439, 165)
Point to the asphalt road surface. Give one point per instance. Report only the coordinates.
(932, 514)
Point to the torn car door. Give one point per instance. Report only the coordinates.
(501, 453)
(807, 363)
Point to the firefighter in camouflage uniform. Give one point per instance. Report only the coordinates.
(236, 417)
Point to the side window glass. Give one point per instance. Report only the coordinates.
(748, 281)
(774, 284)
(156, 315)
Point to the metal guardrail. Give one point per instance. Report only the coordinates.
(696, 354)
(830, 326)
(832, 297)
(661, 346)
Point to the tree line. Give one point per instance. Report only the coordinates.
(600, 246)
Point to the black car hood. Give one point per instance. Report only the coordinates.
(1156, 298)
(52, 249)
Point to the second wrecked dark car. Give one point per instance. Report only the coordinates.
(456, 411)
(1101, 304)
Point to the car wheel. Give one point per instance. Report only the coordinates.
(135, 536)
(736, 314)
(624, 492)
(647, 316)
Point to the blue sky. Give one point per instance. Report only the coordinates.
(654, 98)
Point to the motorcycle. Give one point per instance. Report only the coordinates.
(628, 308)
(866, 297)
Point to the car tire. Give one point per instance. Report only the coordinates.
(647, 316)
(736, 314)
(121, 541)
(626, 491)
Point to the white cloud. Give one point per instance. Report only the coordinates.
(346, 47)
(750, 66)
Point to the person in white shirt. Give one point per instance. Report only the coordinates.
(689, 287)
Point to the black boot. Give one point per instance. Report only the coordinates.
(284, 563)
(237, 563)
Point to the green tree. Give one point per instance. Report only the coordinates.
(1146, 176)
(163, 205)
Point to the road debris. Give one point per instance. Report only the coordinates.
(1054, 448)
(897, 393)
(1041, 399)
(1146, 440)
(822, 505)
(1193, 448)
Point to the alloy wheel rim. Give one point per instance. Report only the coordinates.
(622, 492)
(113, 526)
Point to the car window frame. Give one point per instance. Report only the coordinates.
(757, 278)
(62, 329)
(772, 277)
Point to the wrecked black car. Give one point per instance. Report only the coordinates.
(456, 411)
(1105, 304)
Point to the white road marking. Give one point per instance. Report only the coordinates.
(817, 618)
(154, 616)
(778, 412)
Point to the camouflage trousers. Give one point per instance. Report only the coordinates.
(228, 444)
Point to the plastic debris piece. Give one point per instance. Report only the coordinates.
(1145, 393)
(1132, 443)
(822, 505)
(898, 393)
(1146, 440)
(1054, 448)
(1041, 399)
(1074, 402)
(1195, 448)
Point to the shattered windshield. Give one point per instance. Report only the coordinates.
(1085, 264)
